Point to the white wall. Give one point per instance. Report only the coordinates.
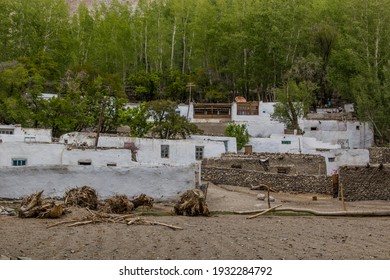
(24, 134)
(161, 183)
(149, 150)
(120, 157)
(36, 154)
(353, 134)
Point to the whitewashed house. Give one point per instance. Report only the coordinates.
(15, 133)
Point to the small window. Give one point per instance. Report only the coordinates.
(30, 139)
(85, 162)
(164, 151)
(358, 127)
(313, 128)
(199, 152)
(111, 164)
(331, 159)
(286, 142)
(19, 162)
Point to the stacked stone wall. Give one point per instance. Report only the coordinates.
(278, 182)
(379, 155)
(298, 164)
(365, 183)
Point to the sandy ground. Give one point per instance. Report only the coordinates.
(221, 236)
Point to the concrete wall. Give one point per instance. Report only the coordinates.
(365, 183)
(161, 183)
(278, 182)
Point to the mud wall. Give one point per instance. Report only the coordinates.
(365, 183)
(161, 182)
(278, 182)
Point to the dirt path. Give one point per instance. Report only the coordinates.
(221, 236)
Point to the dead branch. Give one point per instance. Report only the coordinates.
(83, 223)
(141, 221)
(61, 223)
(265, 211)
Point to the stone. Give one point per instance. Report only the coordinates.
(261, 196)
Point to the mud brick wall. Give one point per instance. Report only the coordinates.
(278, 182)
(379, 155)
(365, 183)
(295, 163)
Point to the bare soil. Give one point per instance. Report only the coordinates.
(223, 235)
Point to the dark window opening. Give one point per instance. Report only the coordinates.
(164, 151)
(85, 162)
(331, 159)
(313, 128)
(111, 164)
(199, 152)
(286, 142)
(358, 127)
(19, 162)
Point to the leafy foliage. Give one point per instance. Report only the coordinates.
(240, 132)
(167, 123)
(294, 101)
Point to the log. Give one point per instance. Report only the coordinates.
(265, 211)
(381, 213)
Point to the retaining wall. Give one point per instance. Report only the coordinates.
(279, 182)
(365, 183)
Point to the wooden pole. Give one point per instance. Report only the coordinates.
(342, 197)
(269, 202)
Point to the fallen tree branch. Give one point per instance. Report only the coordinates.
(141, 221)
(338, 213)
(383, 213)
(83, 223)
(61, 223)
(265, 211)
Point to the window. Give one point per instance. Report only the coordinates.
(199, 152)
(286, 142)
(111, 164)
(7, 131)
(164, 151)
(19, 162)
(85, 162)
(358, 127)
(331, 159)
(30, 139)
(313, 128)
(248, 108)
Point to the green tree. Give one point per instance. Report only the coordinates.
(293, 102)
(240, 132)
(137, 119)
(167, 123)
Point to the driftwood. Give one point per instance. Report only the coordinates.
(265, 211)
(34, 206)
(142, 200)
(192, 203)
(141, 221)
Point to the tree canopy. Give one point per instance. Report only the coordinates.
(155, 48)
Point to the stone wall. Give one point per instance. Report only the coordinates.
(278, 182)
(365, 183)
(379, 155)
(297, 164)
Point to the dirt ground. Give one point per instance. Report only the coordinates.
(223, 235)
